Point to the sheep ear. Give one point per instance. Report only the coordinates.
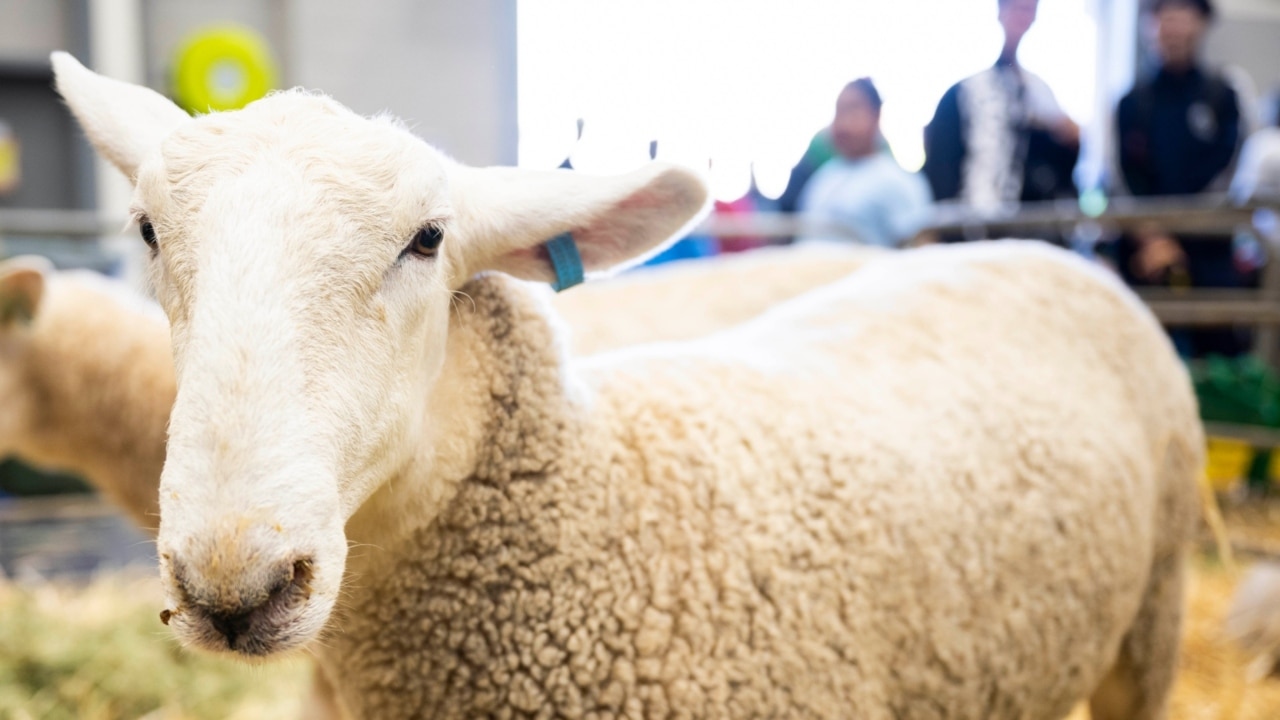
(124, 122)
(507, 215)
(21, 289)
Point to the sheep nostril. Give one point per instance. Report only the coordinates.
(303, 572)
(295, 577)
(232, 625)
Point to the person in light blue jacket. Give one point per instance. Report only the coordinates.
(862, 193)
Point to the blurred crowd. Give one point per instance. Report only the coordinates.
(1000, 138)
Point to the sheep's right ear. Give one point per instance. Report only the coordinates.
(507, 215)
(125, 122)
(21, 288)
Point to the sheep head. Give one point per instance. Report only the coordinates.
(306, 258)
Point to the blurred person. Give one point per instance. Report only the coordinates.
(1179, 131)
(819, 152)
(999, 137)
(862, 188)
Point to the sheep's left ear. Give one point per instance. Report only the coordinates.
(22, 281)
(506, 216)
(124, 122)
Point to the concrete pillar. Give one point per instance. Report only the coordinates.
(116, 50)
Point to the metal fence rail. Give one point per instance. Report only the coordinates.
(77, 224)
(1212, 214)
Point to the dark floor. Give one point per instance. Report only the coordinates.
(67, 536)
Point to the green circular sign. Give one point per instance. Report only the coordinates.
(222, 68)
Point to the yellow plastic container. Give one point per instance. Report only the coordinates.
(1228, 463)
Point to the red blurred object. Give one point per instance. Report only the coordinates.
(738, 243)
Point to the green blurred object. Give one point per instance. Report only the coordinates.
(1093, 202)
(19, 479)
(820, 149)
(222, 67)
(1241, 391)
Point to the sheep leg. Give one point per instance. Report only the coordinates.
(1137, 686)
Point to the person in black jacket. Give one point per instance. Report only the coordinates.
(1179, 131)
(1000, 137)
(1180, 128)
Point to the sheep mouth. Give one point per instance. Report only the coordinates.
(280, 620)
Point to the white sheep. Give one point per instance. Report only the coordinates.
(86, 383)
(958, 484)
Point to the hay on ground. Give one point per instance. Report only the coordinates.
(100, 653)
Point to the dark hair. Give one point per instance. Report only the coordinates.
(1204, 7)
(868, 88)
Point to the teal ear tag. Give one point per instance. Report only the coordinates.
(565, 261)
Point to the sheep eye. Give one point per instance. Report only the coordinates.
(426, 241)
(148, 233)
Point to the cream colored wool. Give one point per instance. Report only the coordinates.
(957, 485)
(690, 298)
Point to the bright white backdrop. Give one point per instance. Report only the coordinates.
(739, 84)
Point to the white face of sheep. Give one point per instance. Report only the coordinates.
(306, 258)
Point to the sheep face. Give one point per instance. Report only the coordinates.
(306, 259)
(308, 299)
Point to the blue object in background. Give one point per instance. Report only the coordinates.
(687, 248)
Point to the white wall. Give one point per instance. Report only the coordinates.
(1249, 8)
(30, 29)
(1248, 34)
(446, 68)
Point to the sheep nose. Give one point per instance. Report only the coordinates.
(252, 607)
(235, 624)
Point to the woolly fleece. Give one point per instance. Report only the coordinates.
(958, 484)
